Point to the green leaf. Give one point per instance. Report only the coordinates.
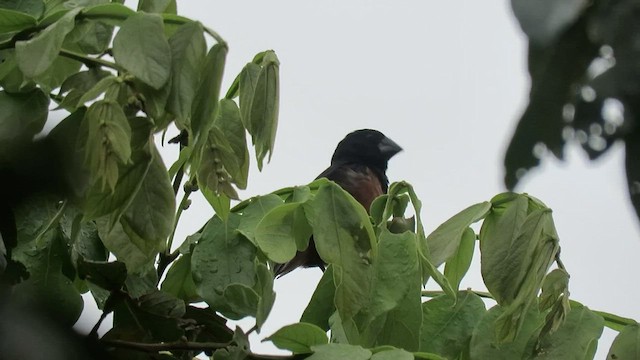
(339, 351)
(75, 86)
(215, 159)
(205, 100)
(344, 238)
(576, 338)
(108, 141)
(143, 282)
(45, 256)
(13, 21)
(248, 81)
(91, 36)
(179, 281)
(99, 201)
(240, 301)
(162, 304)
(264, 288)
(298, 338)
(484, 344)
(229, 122)
(627, 344)
(221, 258)
(447, 325)
(37, 54)
(392, 354)
(136, 253)
(146, 57)
(505, 255)
(34, 8)
(428, 356)
(458, 265)
(98, 89)
(22, 116)
(280, 230)
(157, 6)
(264, 108)
(187, 54)
(57, 73)
(258, 207)
(321, 306)
(114, 12)
(151, 212)
(445, 240)
(393, 314)
(220, 203)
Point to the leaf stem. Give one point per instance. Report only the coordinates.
(482, 294)
(89, 61)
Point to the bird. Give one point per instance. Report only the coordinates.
(359, 166)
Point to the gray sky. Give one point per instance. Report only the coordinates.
(446, 81)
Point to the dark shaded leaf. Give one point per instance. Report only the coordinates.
(554, 71)
(179, 281)
(22, 116)
(107, 275)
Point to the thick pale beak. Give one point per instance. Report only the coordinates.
(388, 147)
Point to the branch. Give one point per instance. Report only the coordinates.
(189, 346)
(89, 61)
(168, 346)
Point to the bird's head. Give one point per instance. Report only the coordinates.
(366, 146)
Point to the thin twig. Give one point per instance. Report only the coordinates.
(168, 346)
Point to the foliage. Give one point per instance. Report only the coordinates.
(108, 225)
(584, 83)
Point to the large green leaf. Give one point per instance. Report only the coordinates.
(459, 263)
(264, 288)
(447, 325)
(258, 207)
(34, 8)
(187, 54)
(13, 21)
(577, 338)
(151, 212)
(146, 57)
(137, 253)
(627, 344)
(345, 239)
(298, 338)
(444, 241)
(484, 344)
(393, 314)
(179, 281)
(280, 230)
(45, 256)
(223, 258)
(37, 54)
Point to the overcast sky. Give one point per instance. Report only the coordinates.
(445, 80)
